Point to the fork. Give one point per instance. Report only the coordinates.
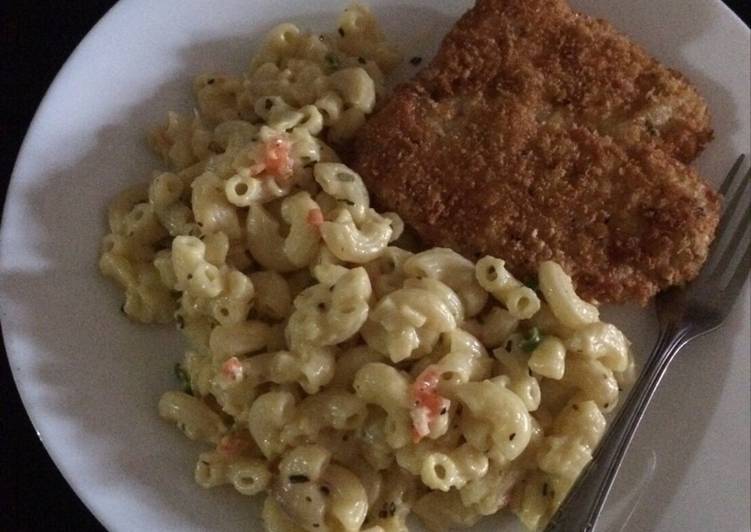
(683, 314)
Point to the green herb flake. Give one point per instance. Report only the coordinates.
(344, 177)
(532, 283)
(531, 340)
(184, 378)
(332, 61)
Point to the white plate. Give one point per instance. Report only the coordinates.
(90, 380)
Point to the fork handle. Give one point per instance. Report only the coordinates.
(581, 508)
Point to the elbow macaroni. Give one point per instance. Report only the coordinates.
(344, 376)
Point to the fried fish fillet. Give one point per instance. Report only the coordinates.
(539, 133)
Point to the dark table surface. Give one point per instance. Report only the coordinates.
(35, 40)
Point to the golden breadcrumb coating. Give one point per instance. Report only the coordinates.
(539, 133)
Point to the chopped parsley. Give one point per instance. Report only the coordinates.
(184, 378)
(332, 61)
(531, 340)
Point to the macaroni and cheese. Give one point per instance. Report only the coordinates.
(348, 377)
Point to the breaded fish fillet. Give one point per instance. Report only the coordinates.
(538, 133)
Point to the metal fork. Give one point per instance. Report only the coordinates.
(683, 314)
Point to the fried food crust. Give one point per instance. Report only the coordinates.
(538, 133)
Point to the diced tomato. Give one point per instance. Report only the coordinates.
(427, 404)
(276, 158)
(231, 445)
(232, 369)
(257, 168)
(315, 217)
(420, 423)
(424, 390)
